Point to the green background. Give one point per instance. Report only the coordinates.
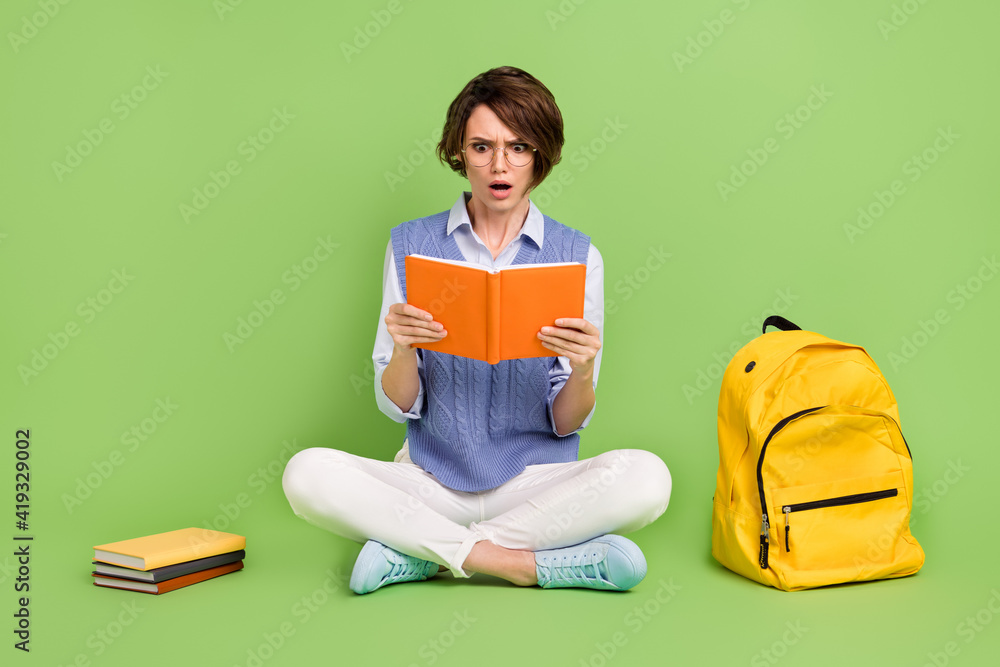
(350, 162)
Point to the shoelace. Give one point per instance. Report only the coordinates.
(577, 573)
(406, 569)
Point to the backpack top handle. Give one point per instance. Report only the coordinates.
(779, 322)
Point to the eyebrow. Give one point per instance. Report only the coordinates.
(515, 140)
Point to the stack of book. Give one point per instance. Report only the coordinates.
(167, 561)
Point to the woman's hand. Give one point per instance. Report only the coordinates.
(579, 341)
(576, 339)
(409, 325)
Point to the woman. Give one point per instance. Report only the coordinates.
(488, 478)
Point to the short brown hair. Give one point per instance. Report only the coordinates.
(524, 105)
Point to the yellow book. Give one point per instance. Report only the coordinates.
(176, 546)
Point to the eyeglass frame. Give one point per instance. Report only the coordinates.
(506, 157)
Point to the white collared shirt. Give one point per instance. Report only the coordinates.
(474, 250)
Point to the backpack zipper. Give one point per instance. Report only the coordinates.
(834, 502)
(764, 526)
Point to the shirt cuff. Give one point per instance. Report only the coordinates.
(392, 410)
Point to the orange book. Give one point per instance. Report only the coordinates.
(494, 316)
(169, 584)
(176, 546)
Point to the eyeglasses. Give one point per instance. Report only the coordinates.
(480, 154)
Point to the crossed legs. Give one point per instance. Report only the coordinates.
(494, 532)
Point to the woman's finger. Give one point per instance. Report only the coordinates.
(394, 319)
(409, 310)
(577, 323)
(570, 349)
(571, 335)
(421, 332)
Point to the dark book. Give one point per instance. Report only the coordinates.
(169, 584)
(167, 571)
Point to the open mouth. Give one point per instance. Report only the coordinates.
(500, 187)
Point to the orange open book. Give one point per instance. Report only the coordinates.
(493, 316)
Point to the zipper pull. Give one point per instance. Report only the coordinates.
(764, 541)
(787, 510)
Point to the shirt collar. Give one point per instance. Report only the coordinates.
(533, 228)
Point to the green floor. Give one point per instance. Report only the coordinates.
(291, 606)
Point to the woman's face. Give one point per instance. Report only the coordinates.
(484, 127)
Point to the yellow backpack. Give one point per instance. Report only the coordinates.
(815, 480)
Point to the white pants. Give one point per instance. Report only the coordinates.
(547, 506)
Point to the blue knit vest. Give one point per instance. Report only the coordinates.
(481, 424)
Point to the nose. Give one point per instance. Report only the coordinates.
(499, 159)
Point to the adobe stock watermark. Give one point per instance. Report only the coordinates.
(958, 297)
(804, 450)
(364, 380)
(885, 543)
(425, 491)
(581, 159)
(967, 630)
(773, 654)
(264, 309)
(630, 284)
(223, 7)
(714, 28)
(876, 548)
(638, 618)
(121, 108)
(365, 34)
(706, 378)
(450, 293)
(914, 168)
(562, 12)
(408, 163)
(786, 127)
(249, 149)
(302, 611)
(32, 23)
(8, 570)
(259, 481)
(900, 16)
(931, 494)
(436, 647)
(105, 636)
(87, 310)
(560, 515)
(548, 524)
(132, 440)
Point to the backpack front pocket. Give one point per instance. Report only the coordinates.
(848, 530)
(853, 499)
